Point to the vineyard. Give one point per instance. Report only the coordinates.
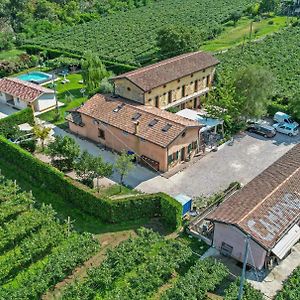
(291, 288)
(130, 37)
(279, 53)
(36, 251)
(139, 267)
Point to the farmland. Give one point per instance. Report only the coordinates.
(36, 251)
(279, 53)
(135, 42)
(138, 267)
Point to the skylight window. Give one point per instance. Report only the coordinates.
(136, 116)
(117, 109)
(153, 122)
(166, 127)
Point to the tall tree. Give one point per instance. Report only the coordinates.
(253, 87)
(93, 71)
(174, 40)
(269, 5)
(124, 164)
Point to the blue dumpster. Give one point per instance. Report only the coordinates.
(186, 203)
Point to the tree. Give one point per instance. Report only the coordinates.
(269, 5)
(174, 40)
(294, 105)
(93, 71)
(42, 133)
(253, 87)
(63, 152)
(222, 102)
(88, 167)
(235, 16)
(124, 165)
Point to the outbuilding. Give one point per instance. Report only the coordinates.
(186, 203)
(21, 94)
(267, 209)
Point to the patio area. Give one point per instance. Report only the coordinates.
(6, 110)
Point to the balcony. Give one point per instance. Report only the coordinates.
(187, 98)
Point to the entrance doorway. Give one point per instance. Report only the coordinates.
(182, 154)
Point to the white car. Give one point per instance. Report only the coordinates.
(285, 128)
(281, 117)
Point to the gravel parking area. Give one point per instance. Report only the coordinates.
(249, 155)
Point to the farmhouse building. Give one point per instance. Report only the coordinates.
(159, 139)
(180, 82)
(267, 209)
(21, 94)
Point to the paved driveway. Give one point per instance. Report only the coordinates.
(244, 160)
(6, 110)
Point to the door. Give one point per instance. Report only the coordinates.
(226, 249)
(182, 155)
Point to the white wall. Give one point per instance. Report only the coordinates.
(19, 103)
(45, 101)
(234, 237)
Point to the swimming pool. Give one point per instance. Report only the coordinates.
(36, 77)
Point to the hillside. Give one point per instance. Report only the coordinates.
(130, 37)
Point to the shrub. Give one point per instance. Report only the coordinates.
(132, 208)
(20, 117)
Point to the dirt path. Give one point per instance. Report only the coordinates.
(107, 241)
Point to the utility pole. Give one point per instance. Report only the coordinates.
(251, 31)
(245, 259)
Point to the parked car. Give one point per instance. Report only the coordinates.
(262, 129)
(281, 117)
(285, 128)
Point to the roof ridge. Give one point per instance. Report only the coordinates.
(155, 65)
(267, 196)
(34, 86)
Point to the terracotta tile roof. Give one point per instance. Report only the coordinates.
(168, 70)
(24, 90)
(120, 114)
(268, 205)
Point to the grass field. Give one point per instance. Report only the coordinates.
(68, 93)
(235, 35)
(10, 55)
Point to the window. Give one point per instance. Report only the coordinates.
(183, 134)
(178, 80)
(170, 159)
(194, 145)
(208, 80)
(125, 133)
(142, 140)
(183, 91)
(119, 107)
(128, 89)
(149, 92)
(166, 127)
(95, 122)
(136, 116)
(18, 100)
(190, 148)
(165, 85)
(192, 75)
(196, 86)
(153, 122)
(170, 97)
(101, 134)
(157, 101)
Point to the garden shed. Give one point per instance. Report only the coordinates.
(186, 203)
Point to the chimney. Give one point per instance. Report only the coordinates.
(136, 127)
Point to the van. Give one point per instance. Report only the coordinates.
(281, 117)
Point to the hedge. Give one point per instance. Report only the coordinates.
(109, 211)
(20, 117)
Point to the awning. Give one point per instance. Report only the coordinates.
(287, 242)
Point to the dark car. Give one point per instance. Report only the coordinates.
(262, 129)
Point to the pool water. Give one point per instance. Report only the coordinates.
(36, 77)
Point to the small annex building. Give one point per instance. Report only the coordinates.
(267, 209)
(160, 139)
(21, 94)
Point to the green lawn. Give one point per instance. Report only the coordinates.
(117, 190)
(10, 55)
(71, 89)
(234, 36)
